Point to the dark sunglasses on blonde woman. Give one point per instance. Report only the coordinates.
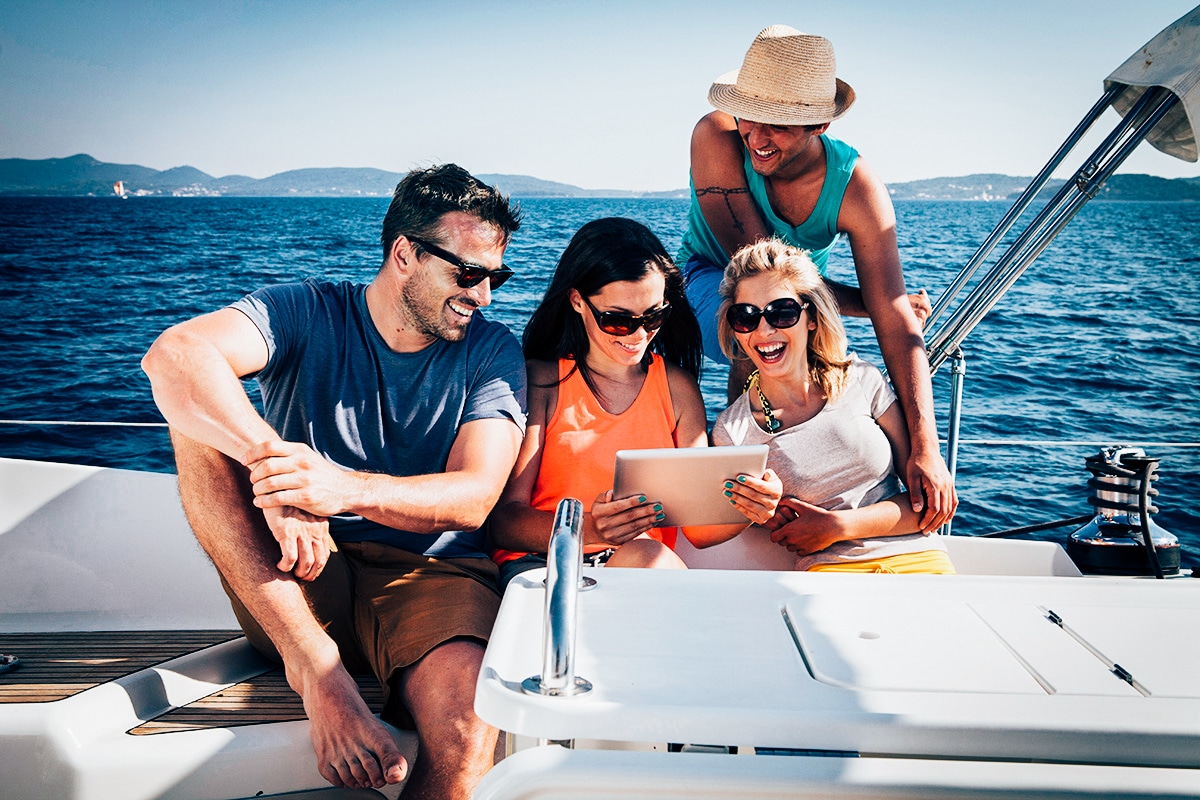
(779, 314)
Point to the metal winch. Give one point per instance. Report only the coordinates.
(1122, 539)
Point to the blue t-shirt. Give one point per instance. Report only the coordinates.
(816, 234)
(332, 382)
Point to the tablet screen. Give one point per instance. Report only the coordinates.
(688, 481)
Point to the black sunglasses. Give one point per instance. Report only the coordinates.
(782, 313)
(468, 274)
(620, 323)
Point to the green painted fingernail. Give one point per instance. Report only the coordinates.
(660, 517)
(729, 494)
(642, 498)
(728, 485)
(741, 478)
(658, 506)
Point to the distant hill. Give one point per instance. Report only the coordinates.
(1141, 187)
(75, 175)
(82, 175)
(525, 186)
(988, 186)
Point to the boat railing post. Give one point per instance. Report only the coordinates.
(1027, 196)
(564, 567)
(958, 371)
(1137, 124)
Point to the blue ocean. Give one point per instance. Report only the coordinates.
(1096, 344)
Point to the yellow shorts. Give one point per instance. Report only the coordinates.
(929, 562)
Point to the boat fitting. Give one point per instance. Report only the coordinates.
(564, 566)
(1122, 539)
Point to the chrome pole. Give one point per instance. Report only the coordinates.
(564, 566)
(1149, 110)
(958, 372)
(1018, 208)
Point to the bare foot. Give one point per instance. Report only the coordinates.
(354, 750)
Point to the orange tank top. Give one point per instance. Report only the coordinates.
(582, 440)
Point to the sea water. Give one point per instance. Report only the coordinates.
(1096, 343)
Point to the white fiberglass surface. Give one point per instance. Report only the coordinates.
(954, 666)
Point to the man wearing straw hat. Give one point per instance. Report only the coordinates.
(761, 166)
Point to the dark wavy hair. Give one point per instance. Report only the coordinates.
(602, 252)
(423, 196)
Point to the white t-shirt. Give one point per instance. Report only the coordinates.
(839, 459)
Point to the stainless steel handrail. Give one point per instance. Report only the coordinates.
(958, 371)
(1149, 110)
(564, 567)
(1010, 218)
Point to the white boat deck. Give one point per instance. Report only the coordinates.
(915, 666)
(555, 773)
(88, 549)
(906, 679)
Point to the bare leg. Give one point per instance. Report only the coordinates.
(457, 747)
(353, 748)
(646, 553)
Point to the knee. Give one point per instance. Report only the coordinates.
(646, 554)
(439, 691)
(455, 734)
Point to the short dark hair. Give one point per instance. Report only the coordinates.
(423, 196)
(602, 252)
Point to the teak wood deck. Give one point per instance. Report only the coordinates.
(54, 666)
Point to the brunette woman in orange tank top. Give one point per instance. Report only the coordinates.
(613, 356)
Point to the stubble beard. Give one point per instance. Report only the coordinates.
(428, 319)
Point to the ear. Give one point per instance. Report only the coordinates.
(404, 255)
(576, 300)
(820, 129)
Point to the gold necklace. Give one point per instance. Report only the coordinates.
(768, 413)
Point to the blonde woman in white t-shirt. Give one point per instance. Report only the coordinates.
(832, 423)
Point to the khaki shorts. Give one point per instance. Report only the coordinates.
(386, 608)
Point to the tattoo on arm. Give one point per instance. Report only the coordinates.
(737, 223)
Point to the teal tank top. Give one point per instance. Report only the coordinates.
(816, 234)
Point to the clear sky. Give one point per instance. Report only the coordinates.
(596, 93)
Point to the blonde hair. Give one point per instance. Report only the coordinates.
(828, 363)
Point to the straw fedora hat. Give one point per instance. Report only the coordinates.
(787, 78)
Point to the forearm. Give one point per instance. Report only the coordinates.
(908, 370)
(812, 529)
(520, 527)
(421, 503)
(891, 517)
(849, 298)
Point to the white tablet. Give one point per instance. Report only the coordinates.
(687, 480)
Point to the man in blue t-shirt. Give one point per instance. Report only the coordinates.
(345, 521)
(761, 166)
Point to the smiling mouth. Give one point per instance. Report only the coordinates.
(771, 352)
(460, 309)
(765, 154)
